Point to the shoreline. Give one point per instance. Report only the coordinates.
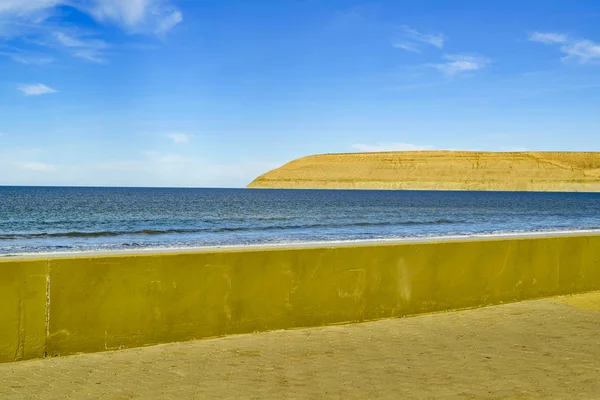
(299, 245)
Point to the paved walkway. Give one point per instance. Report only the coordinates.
(544, 349)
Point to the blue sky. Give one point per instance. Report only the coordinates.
(215, 92)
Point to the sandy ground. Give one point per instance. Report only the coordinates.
(543, 349)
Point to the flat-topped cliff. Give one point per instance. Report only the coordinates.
(440, 170)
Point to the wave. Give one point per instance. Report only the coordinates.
(150, 232)
(13, 251)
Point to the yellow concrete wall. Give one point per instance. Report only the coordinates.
(22, 309)
(120, 301)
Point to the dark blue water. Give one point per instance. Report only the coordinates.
(45, 219)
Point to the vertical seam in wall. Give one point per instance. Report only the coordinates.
(47, 309)
(20, 349)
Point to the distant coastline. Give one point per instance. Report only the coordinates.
(440, 170)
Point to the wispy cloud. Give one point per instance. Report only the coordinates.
(147, 16)
(92, 50)
(167, 23)
(385, 147)
(354, 16)
(436, 40)
(135, 15)
(179, 138)
(37, 20)
(514, 149)
(150, 169)
(37, 166)
(26, 58)
(582, 50)
(460, 63)
(548, 37)
(25, 7)
(413, 86)
(35, 89)
(377, 147)
(412, 40)
(407, 46)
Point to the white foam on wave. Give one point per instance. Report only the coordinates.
(298, 244)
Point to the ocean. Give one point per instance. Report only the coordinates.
(61, 219)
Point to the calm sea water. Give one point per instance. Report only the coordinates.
(46, 219)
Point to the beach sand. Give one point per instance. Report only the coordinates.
(541, 349)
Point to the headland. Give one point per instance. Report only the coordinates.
(440, 170)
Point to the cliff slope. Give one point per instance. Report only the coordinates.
(440, 170)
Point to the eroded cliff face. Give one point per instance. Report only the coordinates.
(440, 170)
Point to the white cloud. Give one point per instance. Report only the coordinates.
(548, 37)
(35, 89)
(179, 138)
(25, 57)
(136, 15)
(377, 147)
(129, 12)
(156, 16)
(149, 169)
(25, 7)
(458, 63)
(413, 86)
(167, 23)
(384, 147)
(513, 149)
(67, 40)
(31, 60)
(436, 40)
(75, 42)
(88, 49)
(411, 40)
(582, 50)
(32, 19)
(36, 166)
(407, 46)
